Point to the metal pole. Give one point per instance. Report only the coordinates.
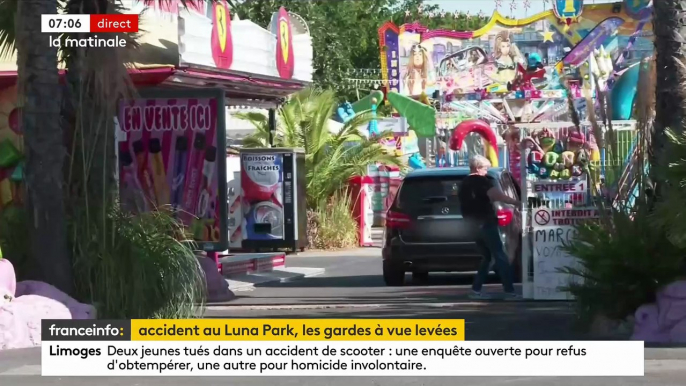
(272, 126)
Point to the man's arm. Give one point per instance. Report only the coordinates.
(496, 195)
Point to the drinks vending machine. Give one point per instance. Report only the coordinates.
(273, 199)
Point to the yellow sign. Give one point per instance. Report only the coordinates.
(222, 24)
(298, 330)
(283, 29)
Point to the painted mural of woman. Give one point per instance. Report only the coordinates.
(419, 74)
(507, 56)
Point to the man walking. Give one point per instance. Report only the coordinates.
(477, 195)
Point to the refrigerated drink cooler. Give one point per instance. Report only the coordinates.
(273, 199)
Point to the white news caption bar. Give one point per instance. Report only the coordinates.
(358, 358)
(65, 23)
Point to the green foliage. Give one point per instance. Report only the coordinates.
(669, 211)
(331, 159)
(622, 265)
(127, 266)
(345, 33)
(136, 266)
(637, 246)
(332, 226)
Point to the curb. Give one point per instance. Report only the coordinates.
(360, 251)
(248, 282)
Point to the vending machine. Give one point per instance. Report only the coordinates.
(274, 204)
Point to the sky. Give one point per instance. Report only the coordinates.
(488, 6)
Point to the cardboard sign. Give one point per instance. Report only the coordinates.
(549, 259)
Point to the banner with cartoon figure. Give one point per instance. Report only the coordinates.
(171, 152)
(507, 55)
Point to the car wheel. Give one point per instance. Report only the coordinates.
(393, 275)
(420, 276)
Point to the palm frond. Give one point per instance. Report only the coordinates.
(8, 9)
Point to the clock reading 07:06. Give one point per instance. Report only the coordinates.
(66, 23)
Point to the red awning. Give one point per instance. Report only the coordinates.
(240, 85)
(140, 77)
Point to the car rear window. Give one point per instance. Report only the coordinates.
(430, 191)
(426, 193)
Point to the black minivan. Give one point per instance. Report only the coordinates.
(425, 231)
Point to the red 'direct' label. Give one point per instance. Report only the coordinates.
(114, 23)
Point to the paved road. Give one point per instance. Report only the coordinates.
(353, 288)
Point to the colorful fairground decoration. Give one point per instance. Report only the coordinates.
(521, 70)
(568, 11)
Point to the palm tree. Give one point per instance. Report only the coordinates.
(331, 158)
(670, 58)
(91, 89)
(40, 98)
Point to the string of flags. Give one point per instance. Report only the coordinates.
(363, 71)
(372, 82)
(421, 11)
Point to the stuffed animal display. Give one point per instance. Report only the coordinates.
(555, 159)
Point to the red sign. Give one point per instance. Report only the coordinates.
(222, 45)
(285, 62)
(114, 23)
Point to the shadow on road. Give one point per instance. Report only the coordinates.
(505, 321)
(438, 279)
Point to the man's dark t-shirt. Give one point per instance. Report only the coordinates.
(474, 200)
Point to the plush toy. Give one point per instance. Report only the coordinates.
(550, 159)
(566, 174)
(559, 147)
(547, 143)
(546, 140)
(534, 169)
(544, 172)
(559, 167)
(581, 158)
(568, 159)
(575, 141)
(535, 157)
(577, 171)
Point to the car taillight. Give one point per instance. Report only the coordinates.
(504, 217)
(397, 220)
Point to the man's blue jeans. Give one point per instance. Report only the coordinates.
(493, 248)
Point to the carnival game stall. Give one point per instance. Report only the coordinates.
(533, 84)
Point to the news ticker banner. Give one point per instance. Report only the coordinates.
(315, 347)
(89, 23)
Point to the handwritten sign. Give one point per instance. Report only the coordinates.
(549, 258)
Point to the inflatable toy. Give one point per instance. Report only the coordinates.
(483, 129)
(415, 161)
(367, 102)
(345, 112)
(421, 117)
(624, 92)
(373, 127)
